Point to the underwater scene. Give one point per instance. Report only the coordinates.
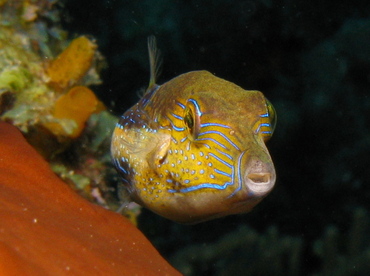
(257, 167)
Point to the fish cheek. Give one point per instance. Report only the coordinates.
(159, 153)
(146, 147)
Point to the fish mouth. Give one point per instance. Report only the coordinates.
(259, 176)
(259, 183)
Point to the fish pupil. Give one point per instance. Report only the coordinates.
(189, 120)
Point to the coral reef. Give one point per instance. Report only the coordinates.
(45, 90)
(47, 229)
(36, 87)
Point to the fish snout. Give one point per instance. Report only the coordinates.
(259, 177)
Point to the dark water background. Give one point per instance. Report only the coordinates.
(311, 59)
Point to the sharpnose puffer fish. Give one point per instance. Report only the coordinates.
(193, 148)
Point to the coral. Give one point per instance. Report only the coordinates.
(44, 79)
(47, 229)
(72, 64)
(35, 81)
(74, 108)
(35, 103)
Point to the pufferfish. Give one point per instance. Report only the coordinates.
(193, 148)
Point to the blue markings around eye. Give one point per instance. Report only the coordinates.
(214, 124)
(263, 125)
(177, 116)
(197, 107)
(264, 115)
(222, 135)
(213, 140)
(178, 128)
(181, 105)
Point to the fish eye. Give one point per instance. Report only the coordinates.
(272, 115)
(191, 120)
(269, 121)
(265, 126)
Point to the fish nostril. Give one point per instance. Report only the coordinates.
(259, 178)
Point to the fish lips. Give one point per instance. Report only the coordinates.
(255, 173)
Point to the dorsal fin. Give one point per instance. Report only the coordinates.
(155, 61)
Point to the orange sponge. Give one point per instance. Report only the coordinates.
(72, 64)
(77, 105)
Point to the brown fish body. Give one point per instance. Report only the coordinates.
(193, 149)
